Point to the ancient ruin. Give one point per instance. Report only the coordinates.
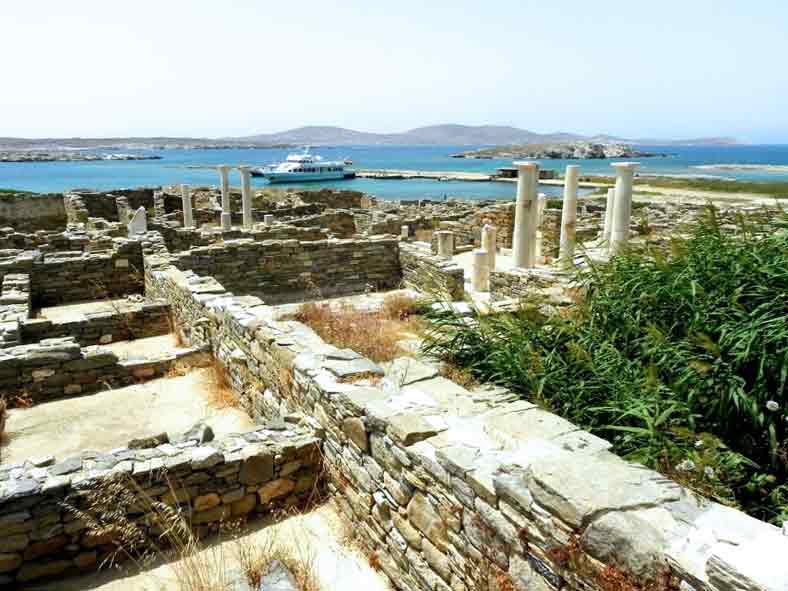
(108, 296)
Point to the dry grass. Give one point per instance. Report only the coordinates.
(163, 534)
(257, 560)
(220, 390)
(372, 334)
(460, 376)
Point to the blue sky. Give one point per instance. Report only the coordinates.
(207, 68)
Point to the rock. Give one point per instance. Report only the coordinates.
(205, 502)
(37, 570)
(629, 541)
(753, 566)
(276, 489)
(411, 535)
(66, 467)
(10, 562)
(205, 457)
(574, 492)
(408, 428)
(199, 432)
(149, 442)
(138, 223)
(354, 429)
(257, 469)
(278, 579)
(437, 560)
(244, 506)
(424, 517)
(12, 543)
(524, 577)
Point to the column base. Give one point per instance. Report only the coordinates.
(227, 222)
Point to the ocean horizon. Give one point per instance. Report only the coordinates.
(195, 167)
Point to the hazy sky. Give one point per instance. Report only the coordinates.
(210, 68)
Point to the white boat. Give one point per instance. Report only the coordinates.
(303, 167)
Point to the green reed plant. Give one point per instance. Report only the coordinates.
(679, 356)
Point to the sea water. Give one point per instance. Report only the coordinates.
(196, 167)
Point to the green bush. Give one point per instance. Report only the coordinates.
(677, 358)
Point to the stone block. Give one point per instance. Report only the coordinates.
(257, 469)
(426, 519)
(276, 489)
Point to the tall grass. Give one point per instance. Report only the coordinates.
(680, 358)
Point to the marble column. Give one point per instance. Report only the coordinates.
(186, 206)
(622, 206)
(480, 271)
(246, 195)
(611, 200)
(525, 214)
(445, 243)
(566, 250)
(268, 219)
(224, 177)
(490, 243)
(404, 232)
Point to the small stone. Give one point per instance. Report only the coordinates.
(10, 562)
(257, 469)
(276, 489)
(354, 429)
(205, 502)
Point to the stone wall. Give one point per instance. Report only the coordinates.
(282, 271)
(58, 367)
(58, 278)
(449, 489)
(113, 206)
(127, 320)
(42, 533)
(14, 308)
(424, 271)
(29, 213)
(520, 283)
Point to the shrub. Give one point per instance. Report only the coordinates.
(679, 358)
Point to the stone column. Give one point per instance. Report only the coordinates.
(224, 184)
(566, 251)
(541, 204)
(611, 199)
(525, 214)
(246, 195)
(445, 243)
(404, 232)
(480, 272)
(490, 243)
(186, 205)
(622, 206)
(268, 219)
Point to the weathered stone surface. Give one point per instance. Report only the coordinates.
(426, 519)
(408, 532)
(276, 489)
(524, 577)
(437, 560)
(753, 566)
(9, 562)
(219, 513)
(205, 502)
(575, 492)
(633, 541)
(12, 543)
(244, 506)
(37, 570)
(257, 469)
(409, 428)
(354, 429)
(45, 547)
(148, 442)
(278, 578)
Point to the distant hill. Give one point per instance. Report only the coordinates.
(435, 135)
(451, 134)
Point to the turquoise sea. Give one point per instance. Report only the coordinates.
(194, 167)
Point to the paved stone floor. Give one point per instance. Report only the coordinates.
(68, 312)
(109, 419)
(318, 534)
(144, 348)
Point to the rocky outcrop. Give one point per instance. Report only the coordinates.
(565, 151)
(69, 156)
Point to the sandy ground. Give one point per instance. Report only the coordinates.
(109, 419)
(659, 194)
(69, 312)
(316, 535)
(144, 348)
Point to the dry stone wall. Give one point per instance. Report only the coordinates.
(125, 320)
(282, 271)
(59, 367)
(30, 213)
(425, 271)
(43, 535)
(450, 489)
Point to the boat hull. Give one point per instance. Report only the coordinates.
(305, 177)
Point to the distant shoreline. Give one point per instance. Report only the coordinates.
(779, 168)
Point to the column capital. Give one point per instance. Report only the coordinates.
(525, 164)
(244, 168)
(622, 166)
(223, 168)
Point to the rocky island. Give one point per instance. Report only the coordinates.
(558, 151)
(68, 156)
